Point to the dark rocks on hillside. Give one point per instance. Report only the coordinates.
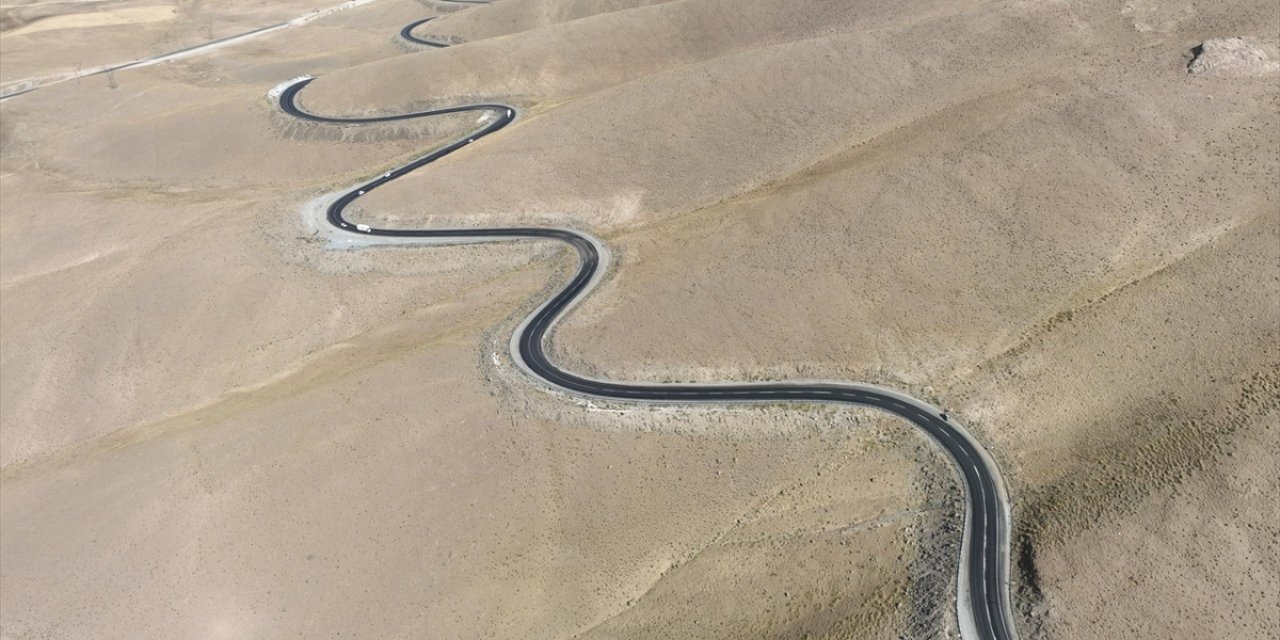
(1234, 56)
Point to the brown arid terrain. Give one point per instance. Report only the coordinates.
(1059, 220)
(51, 40)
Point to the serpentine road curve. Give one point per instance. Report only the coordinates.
(407, 34)
(982, 606)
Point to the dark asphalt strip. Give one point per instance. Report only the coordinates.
(985, 532)
(407, 34)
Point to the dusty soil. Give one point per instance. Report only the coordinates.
(1032, 213)
(42, 40)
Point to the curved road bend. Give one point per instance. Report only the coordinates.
(983, 600)
(407, 34)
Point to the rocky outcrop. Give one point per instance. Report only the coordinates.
(1233, 56)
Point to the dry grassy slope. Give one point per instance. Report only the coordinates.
(275, 512)
(673, 141)
(151, 201)
(1195, 558)
(338, 41)
(187, 124)
(1113, 167)
(676, 140)
(907, 222)
(569, 59)
(46, 38)
(505, 18)
(820, 557)
(1147, 503)
(1055, 151)
(173, 304)
(129, 143)
(183, 326)
(1218, 304)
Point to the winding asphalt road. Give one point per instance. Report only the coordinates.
(983, 600)
(407, 34)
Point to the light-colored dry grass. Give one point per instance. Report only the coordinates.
(50, 39)
(1027, 211)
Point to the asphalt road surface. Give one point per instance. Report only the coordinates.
(982, 604)
(407, 34)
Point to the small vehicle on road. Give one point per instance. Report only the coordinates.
(944, 416)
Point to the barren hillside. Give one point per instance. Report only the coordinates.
(1059, 220)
